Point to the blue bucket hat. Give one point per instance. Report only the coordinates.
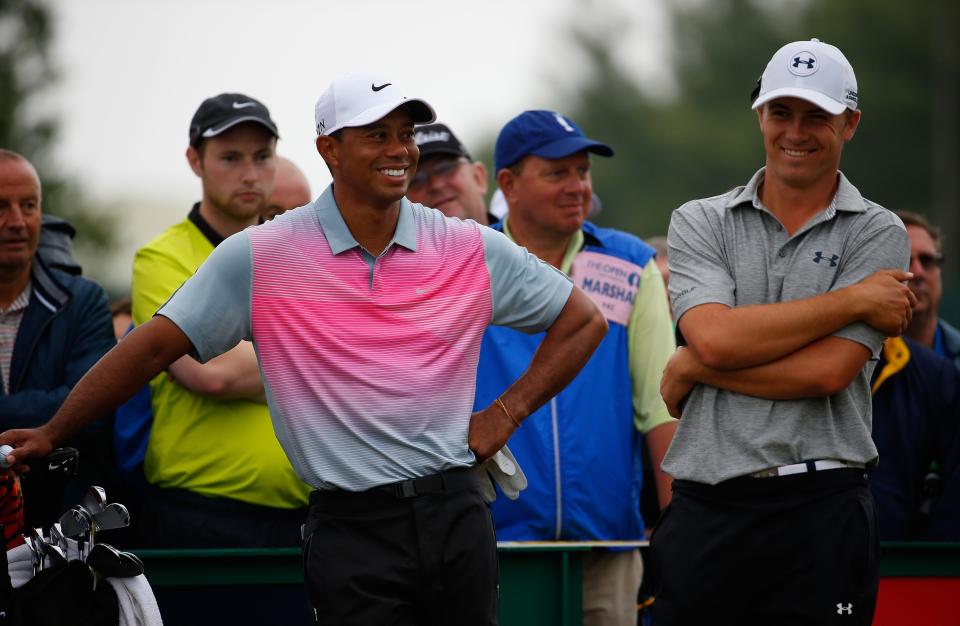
(545, 134)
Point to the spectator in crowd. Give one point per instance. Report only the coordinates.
(290, 189)
(219, 475)
(582, 451)
(367, 312)
(926, 257)
(53, 327)
(659, 243)
(916, 428)
(782, 297)
(122, 316)
(447, 177)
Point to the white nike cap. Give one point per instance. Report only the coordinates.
(362, 98)
(813, 71)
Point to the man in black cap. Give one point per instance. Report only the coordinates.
(447, 177)
(221, 477)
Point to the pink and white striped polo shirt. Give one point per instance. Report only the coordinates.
(369, 364)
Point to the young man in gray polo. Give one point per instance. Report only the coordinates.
(784, 290)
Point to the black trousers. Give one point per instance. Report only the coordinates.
(398, 556)
(177, 518)
(792, 550)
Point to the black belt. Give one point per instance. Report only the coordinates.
(460, 479)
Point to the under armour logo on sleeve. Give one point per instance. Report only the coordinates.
(844, 609)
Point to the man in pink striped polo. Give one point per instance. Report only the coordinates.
(367, 312)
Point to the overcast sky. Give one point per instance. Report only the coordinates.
(134, 71)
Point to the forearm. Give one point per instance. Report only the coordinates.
(234, 374)
(566, 348)
(740, 337)
(820, 369)
(143, 354)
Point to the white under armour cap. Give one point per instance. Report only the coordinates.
(813, 71)
(363, 98)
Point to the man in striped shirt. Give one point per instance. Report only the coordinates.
(53, 327)
(367, 313)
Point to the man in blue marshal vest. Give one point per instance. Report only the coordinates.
(582, 450)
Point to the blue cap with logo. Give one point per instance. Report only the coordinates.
(545, 134)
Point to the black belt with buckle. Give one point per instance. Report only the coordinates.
(460, 479)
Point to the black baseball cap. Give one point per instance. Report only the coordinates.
(438, 139)
(221, 113)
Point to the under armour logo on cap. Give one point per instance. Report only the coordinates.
(803, 64)
(810, 70)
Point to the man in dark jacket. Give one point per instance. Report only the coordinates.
(916, 427)
(53, 326)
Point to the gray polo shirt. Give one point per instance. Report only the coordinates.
(731, 250)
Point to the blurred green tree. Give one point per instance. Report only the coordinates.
(27, 125)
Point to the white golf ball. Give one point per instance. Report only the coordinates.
(4, 451)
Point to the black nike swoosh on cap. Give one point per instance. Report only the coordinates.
(375, 88)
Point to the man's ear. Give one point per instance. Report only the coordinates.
(329, 149)
(480, 176)
(507, 182)
(853, 121)
(195, 161)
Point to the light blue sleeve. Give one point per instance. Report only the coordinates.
(528, 294)
(212, 308)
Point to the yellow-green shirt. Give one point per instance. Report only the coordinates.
(220, 448)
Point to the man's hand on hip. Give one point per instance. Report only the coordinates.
(489, 431)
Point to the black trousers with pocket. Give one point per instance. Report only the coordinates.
(397, 556)
(792, 550)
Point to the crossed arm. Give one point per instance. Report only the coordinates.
(233, 374)
(785, 350)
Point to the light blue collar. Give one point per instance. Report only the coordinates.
(341, 239)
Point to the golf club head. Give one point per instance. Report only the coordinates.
(45, 550)
(36, 557)
(75, 523)
(110, 562)
(94, 500)
(56, 537)
(112, 516)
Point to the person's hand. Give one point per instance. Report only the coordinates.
(29, 443)
(887, 301)
(676, 384)
(489, 431)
